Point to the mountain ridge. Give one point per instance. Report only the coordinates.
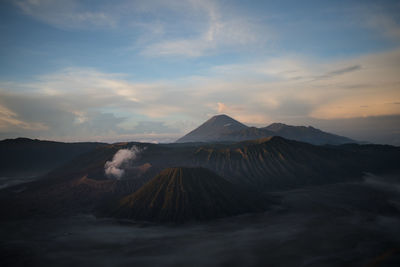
(25, 156)
(263, 165)
(213, 130)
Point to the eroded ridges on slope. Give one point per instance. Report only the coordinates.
(185, 194)
(274, 163)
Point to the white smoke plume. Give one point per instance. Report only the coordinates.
(115, 169)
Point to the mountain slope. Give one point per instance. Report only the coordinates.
(249, 133)
(275, 163)
(187, 194)
(23, 156)
(222, 128)
(213, 129)
(264, 165)
(306, 134)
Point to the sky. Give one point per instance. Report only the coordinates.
(153, 70)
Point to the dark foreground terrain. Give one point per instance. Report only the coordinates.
(342, 224)
(264, 202)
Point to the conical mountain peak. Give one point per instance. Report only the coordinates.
(213, 129)
(186, 194)
(222, 128)
(221, 118)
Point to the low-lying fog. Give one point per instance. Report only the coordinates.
(8, 181)
(348, 224)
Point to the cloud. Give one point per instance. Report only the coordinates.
(55, 117)
(9, 119)
(65, 14)
(216, 30)
(115, 169)
(344, 70)
(199, 28)
(76, 103)
(221, 107)
(81, 117)
(149, 127)
(339, 72)
(384, 24)
(258, 86)
(270, 85)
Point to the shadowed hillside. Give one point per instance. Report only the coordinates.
(306, 134)
(276, 163)
(263, 165)
(187, 194)
(23, 156)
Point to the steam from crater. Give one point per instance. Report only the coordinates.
(115, 169)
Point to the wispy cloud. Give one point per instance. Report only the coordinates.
(259, 62)
(339, 72)
(78, 103)
(384, 24)
(9, 118)
(336, 94)
(216, 30)
(66, 14)
(199, 28)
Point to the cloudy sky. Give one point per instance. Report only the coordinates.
(152, 70)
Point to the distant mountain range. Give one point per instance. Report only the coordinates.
(222, 168)
(24, 156)
(222, 128)
(154, 180)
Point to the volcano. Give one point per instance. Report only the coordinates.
(222, 128)
(213, 129)
(183, 194)
(307, 134)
